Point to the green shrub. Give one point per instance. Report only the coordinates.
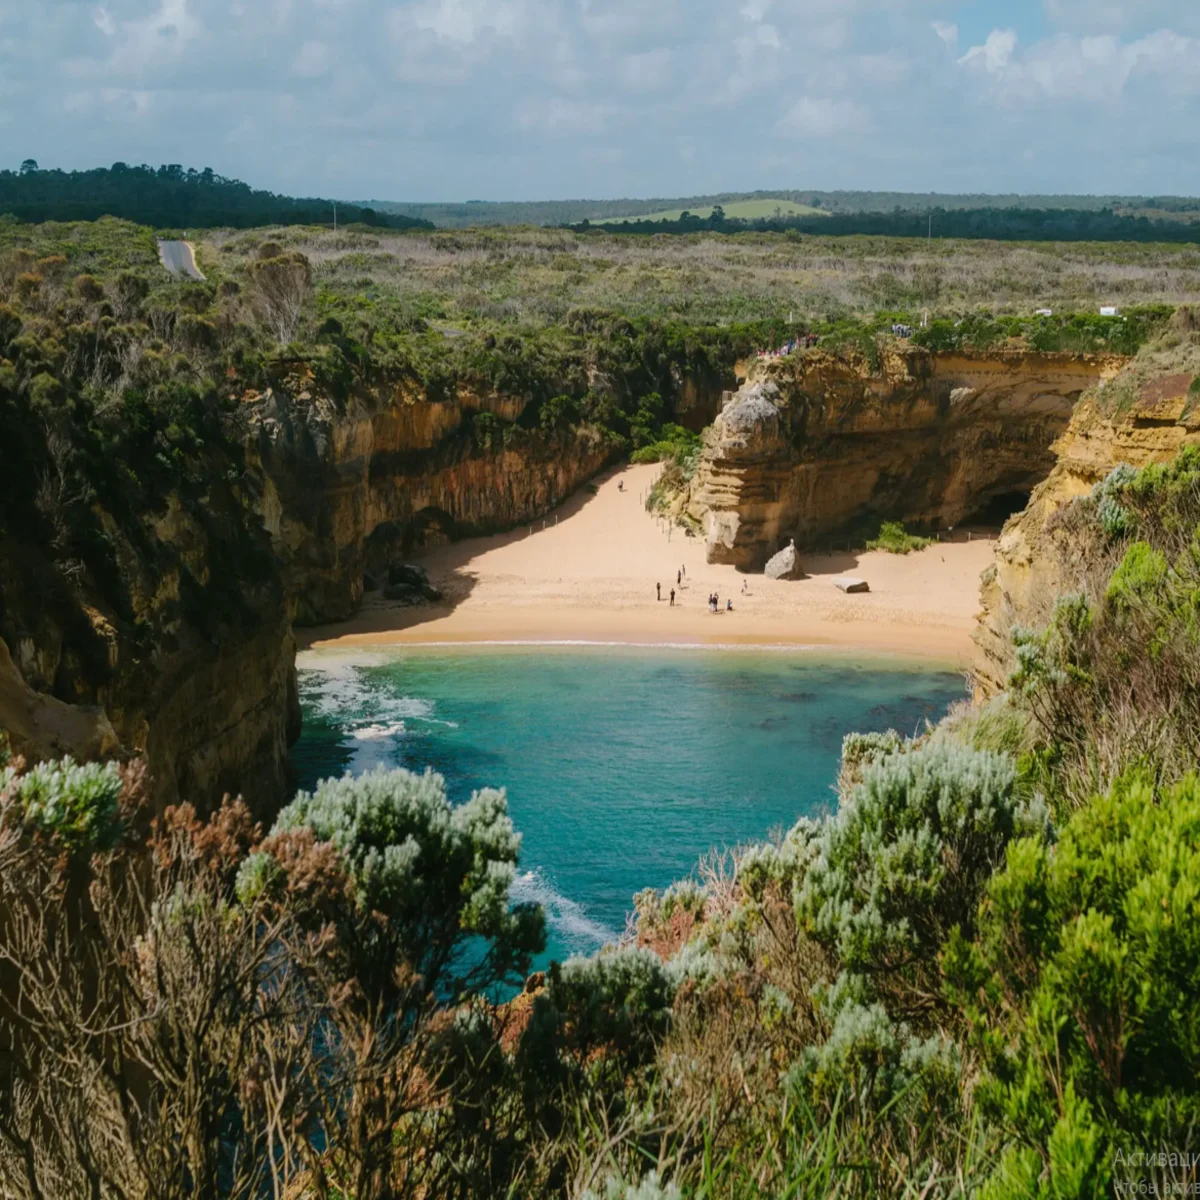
(1082, 991)
(674, 445)
(895, 539)
(619, 999)
(76, 803)
(905, 860)
(440, 875)
(1113, 680)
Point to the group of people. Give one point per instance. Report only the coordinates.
(901, 331)
(714, 601)
(804, 341)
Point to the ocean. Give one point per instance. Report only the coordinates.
(623, 765)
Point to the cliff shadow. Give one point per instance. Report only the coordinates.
(450, 569)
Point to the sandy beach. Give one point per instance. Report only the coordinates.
(588, 573)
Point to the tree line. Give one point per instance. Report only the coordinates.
(997, 224)
(170, 197)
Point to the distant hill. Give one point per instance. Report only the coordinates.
(761, 205)
(170, 197)
(736, 210)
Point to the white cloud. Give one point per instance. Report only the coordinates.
(1123, 16)
(822, 117)
(560, 117)
(995, 54)
(1096, 69)
(445, 98)
(948, 32)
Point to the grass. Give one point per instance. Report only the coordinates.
(741, 210)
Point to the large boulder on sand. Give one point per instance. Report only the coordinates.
(785, 564)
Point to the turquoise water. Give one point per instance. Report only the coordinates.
(623, 765)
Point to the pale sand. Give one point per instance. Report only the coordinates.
(589, 575)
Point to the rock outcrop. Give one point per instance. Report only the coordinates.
(785, 564)
(1146, 415)
(818, 441)
(183, 656)
(39, 726)
(347, 489)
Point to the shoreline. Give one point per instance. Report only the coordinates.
(586, 575)
(326, 654)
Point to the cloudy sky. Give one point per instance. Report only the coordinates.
(534, 99)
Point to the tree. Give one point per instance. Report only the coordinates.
(211, 1013)
(29, 166)
(402, 911)
(282, 286)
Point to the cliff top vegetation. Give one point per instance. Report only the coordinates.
(536, 277)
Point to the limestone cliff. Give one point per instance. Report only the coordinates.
(1146, 414)
(348, 487)
(182, 655)
(816, 442)
(186, 656)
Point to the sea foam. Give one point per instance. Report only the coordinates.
(568, 919)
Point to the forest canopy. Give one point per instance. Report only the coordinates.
(170, 197)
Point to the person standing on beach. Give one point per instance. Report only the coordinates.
(672, 597)
(658, 591)
(679, 579)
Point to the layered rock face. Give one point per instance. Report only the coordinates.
(189, 662)
(347, 488)
(192, 665)
(1146, 416)
(818, 441)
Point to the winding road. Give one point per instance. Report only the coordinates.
(180, 259)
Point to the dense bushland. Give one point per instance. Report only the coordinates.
(977, 978)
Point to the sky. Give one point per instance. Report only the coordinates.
(561, 99)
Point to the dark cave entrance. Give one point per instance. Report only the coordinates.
(996, 510)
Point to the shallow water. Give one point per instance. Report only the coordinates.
(623, 765)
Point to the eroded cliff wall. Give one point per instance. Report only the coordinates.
(1146, 414)
(348, 487)
(186, 655)
(818, 441)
